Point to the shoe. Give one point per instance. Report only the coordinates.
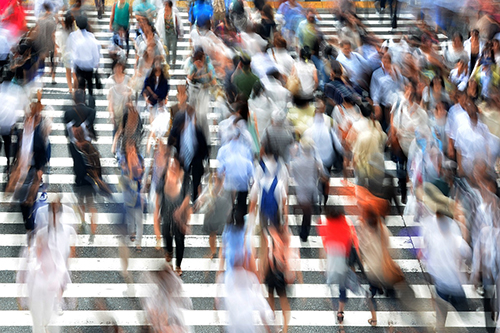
(372, 322)
(132, 238)
(138, 249)
(168, 257)
(340, 317)
(54, 82)
(480, 290)
(178, 270)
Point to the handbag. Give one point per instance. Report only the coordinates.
(293, 84)
(392, 272)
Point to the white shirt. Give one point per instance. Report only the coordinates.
(474, 142)
(443, 252)
(284, 61)
(85, 50)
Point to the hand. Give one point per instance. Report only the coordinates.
(378, 112)
(158, 243)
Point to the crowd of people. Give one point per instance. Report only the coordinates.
(293, 107)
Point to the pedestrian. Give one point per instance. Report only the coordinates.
(85, 54)
(172, 212)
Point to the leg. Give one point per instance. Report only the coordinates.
(173, 48)
(212, 241)
(127, 40)
(7, 143)
(342, 301)
(241, 207)
(69, 80)
(179, 248)
(139, 227)
(197, 172)
(89, 77)
(168, 240)
(306, 220)
(80, 78)
(285, 307)
(270, 297)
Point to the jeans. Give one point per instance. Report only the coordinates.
(134, 222)
(171, 44)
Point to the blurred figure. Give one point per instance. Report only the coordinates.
(276, 273)
(63, 51)
(243, 297)
(170, 28)
(85, 54)
(277, 137)
(166, 304)
(119, 95)
(119, 22)
(130, 183)
(82, 116)
(291, 14)
(216, 206)
(156, 90)
(48, 276)
(382, 272)
(444, 250)
(342, 251)
(45, 38)
(306, 170)
(201, 75)
(173, 211)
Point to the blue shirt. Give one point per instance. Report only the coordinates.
(235, 161)
(200, 12)
(292, 15)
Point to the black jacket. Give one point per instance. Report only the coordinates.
(174, 139)
(82, 113)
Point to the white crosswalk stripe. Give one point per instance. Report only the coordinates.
(95, 270)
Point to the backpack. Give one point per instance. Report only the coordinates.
(269, 207)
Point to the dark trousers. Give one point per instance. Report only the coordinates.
(7, 145)
(305, 229)
(240, 205)
(171, 232)
(459, 302)
(84, 76)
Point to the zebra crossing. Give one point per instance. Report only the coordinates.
(96, 267)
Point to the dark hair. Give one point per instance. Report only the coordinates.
(305, 53)
(336, 68)
(47, 7)
(68, 22)
(198, 54)
(268, 11)
(169, 3)
(437, 77)
(345, 42)
(242, 108)
(459, 35)
(152, 76)
(334, 211)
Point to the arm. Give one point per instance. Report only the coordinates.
(112, 19)
(156, 221)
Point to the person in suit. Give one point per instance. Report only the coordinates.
(81, 113)
(187, 137)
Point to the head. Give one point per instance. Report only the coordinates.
(336, 69)
(472, 111)
(474, 34)
(305, 54)
(68, 22)
(280, 42)
(81, 22)
(268, 11)
(345, 47)
(199, 57)
(169, 4)
(457, 41)
(47, 7)
(387, 61)
(310, 15)
(119, 68)
(320, 104)
(370, 217)
(437, 83)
